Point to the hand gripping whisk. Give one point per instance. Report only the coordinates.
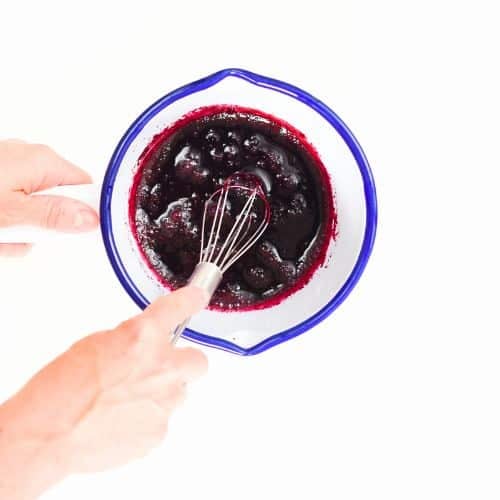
(222, 247)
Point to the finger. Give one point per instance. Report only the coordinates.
(165, 313)
(149, 333)
(161, 382)
(43, 168)
(160, 386)
(14, 249)
(187, 363)
(56, 212)
(171, 397)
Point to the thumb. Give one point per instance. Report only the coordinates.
(170, 310)
(59, 213)
(159, 319)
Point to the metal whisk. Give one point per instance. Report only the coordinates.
(219, 251)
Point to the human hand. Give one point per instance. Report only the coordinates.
(26, 169)
(104, 402)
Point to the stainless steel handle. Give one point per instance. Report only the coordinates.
(206, 276)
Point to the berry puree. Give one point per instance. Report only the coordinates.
(188, 161)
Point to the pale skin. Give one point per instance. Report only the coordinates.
(108, 398)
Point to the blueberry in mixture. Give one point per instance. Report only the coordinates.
(187, 162)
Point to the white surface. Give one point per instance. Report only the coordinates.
(247, 329)
(396, 396)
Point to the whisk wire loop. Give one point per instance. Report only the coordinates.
(225, 251)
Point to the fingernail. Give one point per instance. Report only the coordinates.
(85, 219)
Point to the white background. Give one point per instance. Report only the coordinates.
(395, 396)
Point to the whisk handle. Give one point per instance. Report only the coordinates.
(178, 331)
(207, 276)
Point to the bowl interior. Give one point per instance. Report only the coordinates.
(239, 331)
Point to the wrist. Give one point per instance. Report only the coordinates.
(30, 462)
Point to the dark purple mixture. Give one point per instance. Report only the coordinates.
(188, 161)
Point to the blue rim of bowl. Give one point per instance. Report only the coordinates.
(295, 93)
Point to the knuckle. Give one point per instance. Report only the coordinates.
(133, 329)
(85, 347)
(54, 214)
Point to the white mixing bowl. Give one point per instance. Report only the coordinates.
(251, 332)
